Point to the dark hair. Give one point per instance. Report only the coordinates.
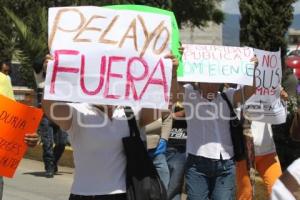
(4, 62)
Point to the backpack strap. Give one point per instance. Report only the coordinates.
(134, 131)
(224, 96)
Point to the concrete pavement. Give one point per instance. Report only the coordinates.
(30, 183)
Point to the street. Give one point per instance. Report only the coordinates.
(29, 183)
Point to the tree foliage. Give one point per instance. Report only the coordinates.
(264, 23)
(192, 12)
(23, 34)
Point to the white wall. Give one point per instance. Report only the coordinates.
(209, 35)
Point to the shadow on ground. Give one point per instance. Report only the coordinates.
(43, 174)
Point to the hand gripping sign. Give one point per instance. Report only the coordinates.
(266, 105)
(107, 56)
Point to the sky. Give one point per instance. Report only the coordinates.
(231, 6)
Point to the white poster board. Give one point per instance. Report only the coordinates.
(106, 56)
(217, 64)
(265, 105)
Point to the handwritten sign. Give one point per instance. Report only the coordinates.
(175, 30)
(265, 105)
(216, 64)
(16, 120)
(107, 56)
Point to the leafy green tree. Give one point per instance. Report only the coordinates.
(31, 45)
(192, 12)
(23, 33)
(264, 23)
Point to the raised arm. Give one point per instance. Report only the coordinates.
(58, 112)
(150, 115)
(177, 90)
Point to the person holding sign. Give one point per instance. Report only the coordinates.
(210, 168)
(7, 91)
(266, 159)
(96, 133)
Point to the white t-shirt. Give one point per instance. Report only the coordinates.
(262, 138)
(279, 191)
(208, 132)
(98, 150)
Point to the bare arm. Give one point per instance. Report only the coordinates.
(177, 89)
(58, 112)
(150, 115)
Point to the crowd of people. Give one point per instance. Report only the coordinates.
(191, 155)
(197, 152)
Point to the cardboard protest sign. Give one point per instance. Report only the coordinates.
(217, 64)
(265, 105)
(16, 120)
(109, 56)
(175, 30)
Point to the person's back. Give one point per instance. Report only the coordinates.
(98, 151)
(208, 132)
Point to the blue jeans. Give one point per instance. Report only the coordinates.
(210, 178)
(176, 161)
(51, 134)
(161, 165)
(170, 168)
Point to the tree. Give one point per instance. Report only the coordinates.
(264, 23)
(193, 12)
(197, 13)
(23, 33)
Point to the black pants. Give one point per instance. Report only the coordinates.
(98, 197)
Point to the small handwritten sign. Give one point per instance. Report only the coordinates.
(217, 64)
(108, 56)
(265, 105)
(16, 120)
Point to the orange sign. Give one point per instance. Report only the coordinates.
(16, 120)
